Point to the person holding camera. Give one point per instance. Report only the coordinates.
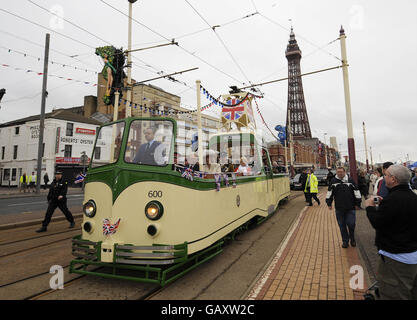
(347, 199)
(394, 219)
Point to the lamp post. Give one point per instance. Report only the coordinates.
(351, 141)
(325, 150)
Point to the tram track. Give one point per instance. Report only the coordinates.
(36, 237)
(39, 246)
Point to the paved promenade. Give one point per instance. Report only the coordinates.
(310, 264)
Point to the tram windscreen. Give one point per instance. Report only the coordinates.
(149, 142)
(108, 144)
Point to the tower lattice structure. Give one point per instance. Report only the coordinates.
(297, 118)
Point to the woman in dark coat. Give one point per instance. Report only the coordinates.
(363, 185)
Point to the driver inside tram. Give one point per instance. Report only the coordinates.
(146, 152)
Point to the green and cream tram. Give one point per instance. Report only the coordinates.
(147, 212)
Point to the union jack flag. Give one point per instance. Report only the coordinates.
(80, 178)
(233, 113)
(109, 228)
(187, 174)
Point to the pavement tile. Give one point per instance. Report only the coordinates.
(313, 265)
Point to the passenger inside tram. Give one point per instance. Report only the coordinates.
(244, 169)
(211, 165)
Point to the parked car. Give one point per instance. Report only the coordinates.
(321, 175)
(295, 183)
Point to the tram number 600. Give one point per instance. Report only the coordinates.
(155, 194)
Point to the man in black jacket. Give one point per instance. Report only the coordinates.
(57, 198)
(347, 198)
(395, 223)
(303, 180)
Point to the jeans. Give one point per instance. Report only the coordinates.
(346, 219)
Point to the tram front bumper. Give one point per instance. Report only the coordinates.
(128, 254)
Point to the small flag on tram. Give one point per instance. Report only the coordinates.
(80, 178)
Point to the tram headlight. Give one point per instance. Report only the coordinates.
(90, 208)
(154, 210)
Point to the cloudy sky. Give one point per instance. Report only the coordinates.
(248, 45)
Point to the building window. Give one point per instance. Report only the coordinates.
(14, 171)
(6, 176)
(97, 153)
(70, 129)
(3, 150)
(14, 152)
(68, 151)
(16, 130)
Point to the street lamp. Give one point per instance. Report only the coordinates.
(351, 141)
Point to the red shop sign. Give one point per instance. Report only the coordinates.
(85, 131)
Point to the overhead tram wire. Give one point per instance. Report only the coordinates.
(43, 45)
(66, 20)
(51, 30)
(43, 27)
(179, 46)
(220, 39)
(79, 27)
(300, 36)
(211, 28)
(304, 57)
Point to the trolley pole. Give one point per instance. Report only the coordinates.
(199, 128)
(351, 141)
(42, 117)
(129, 63)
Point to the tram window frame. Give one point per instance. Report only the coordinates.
(268, 160)
(235, 143)
(152, 123)
(121, 130)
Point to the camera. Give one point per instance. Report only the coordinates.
(376, 200)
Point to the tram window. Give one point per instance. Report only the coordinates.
(237, 153)
(149, 142)
(108, 144)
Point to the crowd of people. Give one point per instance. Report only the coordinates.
(390, 194)
(390, 200)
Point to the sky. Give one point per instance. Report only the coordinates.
(247, 46)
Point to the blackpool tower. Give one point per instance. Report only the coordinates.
(297, 118)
